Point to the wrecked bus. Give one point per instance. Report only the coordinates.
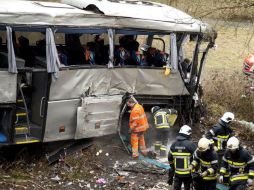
(66, 67)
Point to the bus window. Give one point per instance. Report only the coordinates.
(31, 47)
(186, 53)
(127, 51)
(3, 50)
(82, 49)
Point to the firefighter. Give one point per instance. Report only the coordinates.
(221, 132)
(180, 157)
(138, 125)
(239, 163)
(204, 166)
(163, 120)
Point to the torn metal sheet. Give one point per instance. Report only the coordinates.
(98, 116)
(72, 84)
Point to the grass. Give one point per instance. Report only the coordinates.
(225, 87)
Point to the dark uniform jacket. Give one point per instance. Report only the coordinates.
(219, 134)
(180, 155)
(206, 161)
(240, 165)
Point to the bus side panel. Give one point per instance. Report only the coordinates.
(154, 82)
(72, 84)
(8, 87)
(61, 120)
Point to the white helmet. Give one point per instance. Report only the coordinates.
(204, 144)
(186, 130)
(228, 117)
(233, 143)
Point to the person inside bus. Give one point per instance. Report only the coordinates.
(25, 51)
(61, 55)
(127, 53)
(89, 53)
(156, 58)
(100, 50)
(74, 50)
(41, 47)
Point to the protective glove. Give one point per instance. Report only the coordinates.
(215, 148)
(191, 167)
(170, 173)
(221, 179)
(170, 181)
(250, 182)
(205, 173)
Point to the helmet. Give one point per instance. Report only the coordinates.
(228, 117)
(186, 130)
(233, 143)
(204, 144)
(155, 109)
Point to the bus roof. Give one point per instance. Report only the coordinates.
(113, 14)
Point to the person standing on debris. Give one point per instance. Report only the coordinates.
(239, 163)
(221, 132)
(163, 120)
(204, 166)
(179, 158)
(138, 125)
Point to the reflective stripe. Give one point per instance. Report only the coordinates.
(223, 136)
(182, 172)
(239, 177)
(234, 164)
(204, 163)
(138, 117)
(211, 170)
(194, 163)
(163, 148)
(251, 172)
(181, 154)
(223, 170)
(220, 139)
(185, 161)
(163, 126)
(210, 177)
(140, 127)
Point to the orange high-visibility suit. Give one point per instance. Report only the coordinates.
(138, 125)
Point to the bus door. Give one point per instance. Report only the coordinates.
(98, 116)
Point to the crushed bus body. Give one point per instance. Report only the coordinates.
(65, 68)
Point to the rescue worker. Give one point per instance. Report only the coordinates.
(179, 158)
(221, 132)
(204, 166)
(163, 119)
(239, 163)
(138, 125)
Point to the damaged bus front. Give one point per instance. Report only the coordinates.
(67, 67)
